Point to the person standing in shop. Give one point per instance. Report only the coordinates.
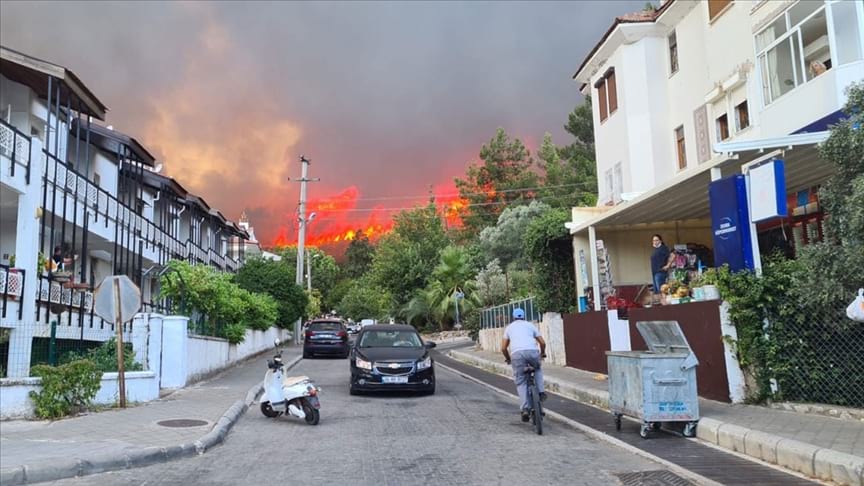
(660, 259)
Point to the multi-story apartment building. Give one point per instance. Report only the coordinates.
(80, 201)
(686, 94)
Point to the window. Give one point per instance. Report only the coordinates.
(673, 53)
(612, 92)
(682, 151)
(723, 127)
(742, 116)
(601, 96)
(716, 7)
(794, 49)
(607, 94)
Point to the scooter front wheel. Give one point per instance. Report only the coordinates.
(268, 411)
(313, 416)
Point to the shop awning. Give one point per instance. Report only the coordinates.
(685, 196)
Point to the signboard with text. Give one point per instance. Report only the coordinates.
(730, 223)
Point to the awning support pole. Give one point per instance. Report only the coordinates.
(595, 274)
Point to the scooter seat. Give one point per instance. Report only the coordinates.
(293, 380)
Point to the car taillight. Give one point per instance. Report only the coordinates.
(342, 334)
(309, 333)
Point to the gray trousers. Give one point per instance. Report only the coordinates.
(519, 360)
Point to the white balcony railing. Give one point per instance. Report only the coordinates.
(16, 146)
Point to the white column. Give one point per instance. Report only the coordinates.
(175, 346)
(140, 331)
(595, 274)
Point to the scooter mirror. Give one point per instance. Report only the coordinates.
(277, 343)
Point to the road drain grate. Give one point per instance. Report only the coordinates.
(652, 478)
(182, 423)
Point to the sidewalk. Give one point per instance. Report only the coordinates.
(131, 437)
(818, 446)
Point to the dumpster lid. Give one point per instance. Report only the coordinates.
(663, 337)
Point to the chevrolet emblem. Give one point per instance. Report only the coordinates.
(394, 365)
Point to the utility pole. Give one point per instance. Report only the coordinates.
(301, 238)
(309, 273)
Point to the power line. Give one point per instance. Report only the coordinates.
(408, 208)
(456, 194)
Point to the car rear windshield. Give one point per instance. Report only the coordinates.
(390, 339)
(325, 326)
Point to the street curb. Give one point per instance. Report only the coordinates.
(685, 473)
(792, 455)
(138, 457)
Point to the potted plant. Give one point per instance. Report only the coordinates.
(710, 280)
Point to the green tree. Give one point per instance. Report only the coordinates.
(548, 246)
(325, 271)
(405, 258)
(277, 280)
(364, 300)
(827, 281)
(358, 256)
(491, 284)
(569, 175)
(494, 183)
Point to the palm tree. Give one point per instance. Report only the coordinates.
(437, 301)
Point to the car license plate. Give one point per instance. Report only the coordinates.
(394, 379)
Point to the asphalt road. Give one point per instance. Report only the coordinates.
(464, 434)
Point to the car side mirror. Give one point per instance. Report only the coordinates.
(430, 344)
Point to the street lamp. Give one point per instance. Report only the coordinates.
(456, 296)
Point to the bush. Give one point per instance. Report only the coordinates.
(277, 280)
(66, 389)
(105, 357)
(235, 333)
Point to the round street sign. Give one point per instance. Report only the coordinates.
(130, 298)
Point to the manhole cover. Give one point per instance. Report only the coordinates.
(182, 423)
(652, 478)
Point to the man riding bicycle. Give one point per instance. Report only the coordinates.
(522, 338)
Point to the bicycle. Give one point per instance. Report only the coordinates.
(534, 402)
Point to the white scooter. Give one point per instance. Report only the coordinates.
(295, 395)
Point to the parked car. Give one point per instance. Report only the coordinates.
(391, 357)
(326, 337)
(353, 327)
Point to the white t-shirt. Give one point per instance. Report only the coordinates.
(522, 336)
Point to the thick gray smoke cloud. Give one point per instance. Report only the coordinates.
(389, 97)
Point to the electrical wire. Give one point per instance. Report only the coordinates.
(457, 194)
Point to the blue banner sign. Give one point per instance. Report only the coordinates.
(730, 223)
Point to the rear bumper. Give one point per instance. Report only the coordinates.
(321, 348)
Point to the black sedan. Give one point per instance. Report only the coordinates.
(391, 357)
(325, 337)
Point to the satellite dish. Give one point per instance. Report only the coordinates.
(311, 217)
(158, 168)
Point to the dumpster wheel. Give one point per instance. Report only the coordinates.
(617, 421)
(643, 431)
(690, 429)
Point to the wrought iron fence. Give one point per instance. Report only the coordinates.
(501, 315)
(818, 357)
(28, 345)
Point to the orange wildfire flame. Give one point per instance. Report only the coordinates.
(335, 225)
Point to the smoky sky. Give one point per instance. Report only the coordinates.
(390, 97)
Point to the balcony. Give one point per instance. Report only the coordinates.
(105, 208)
(12, 286)
(195, 252)
(217, 260)
(15, 146)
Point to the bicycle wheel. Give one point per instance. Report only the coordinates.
(536, 410)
